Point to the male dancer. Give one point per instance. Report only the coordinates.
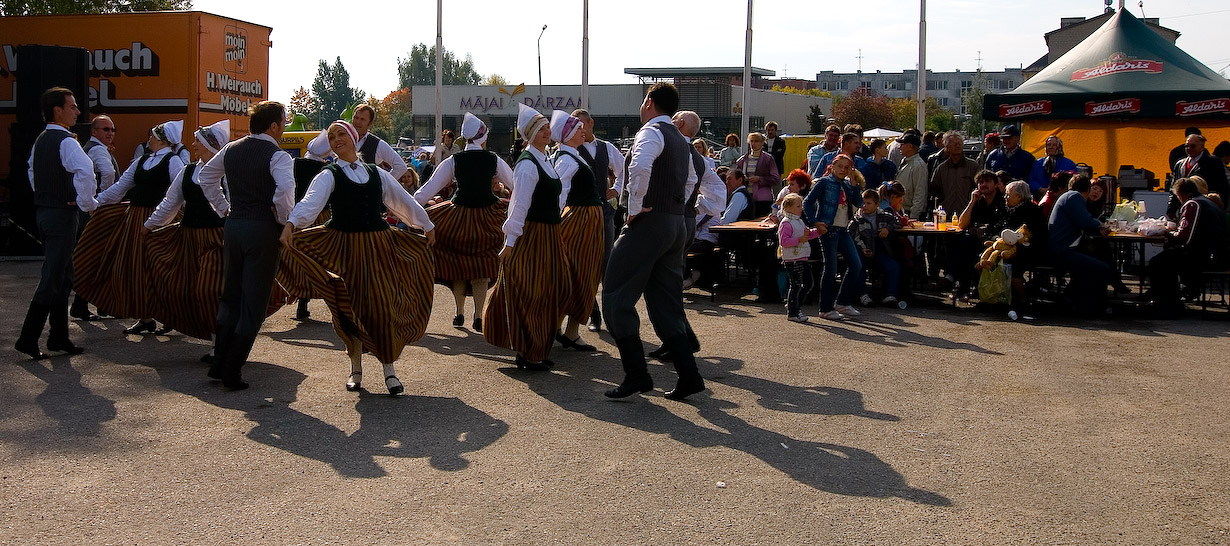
(260, 178)
(606, 161)
(647, 259)
(373, 149)
(62, 178)
(106, 170)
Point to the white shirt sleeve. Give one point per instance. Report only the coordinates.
(693, 178)
(526, 176)
(712, 198)
(74, 160)
(102, 165)
(737, 204)
(386, 154)
(645, 150)
(314, 200)
(440, 178)
(616, 160)
(282, 167)
(504, 173)
(566, 167)
(209, 177)
(117, 190)
(404, 207)
(170, 204)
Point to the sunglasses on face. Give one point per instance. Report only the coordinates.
(108, 129)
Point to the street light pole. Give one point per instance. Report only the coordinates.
(439, 68)
(585, 55)
(921, 121)
(544, 30)
(747, 78)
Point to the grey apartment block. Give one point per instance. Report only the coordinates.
(946, 87)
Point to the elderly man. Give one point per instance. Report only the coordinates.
(1009, 156)
(913, 176)
(1179, 152)
(1199, 163)
(832, 143)
(953, 179)
(1190, 249)
(774, 144)
(98, 149)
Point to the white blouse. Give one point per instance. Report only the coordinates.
(526, 176)
(395, 197)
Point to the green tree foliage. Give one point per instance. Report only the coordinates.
(59, 7)
(863, 107)
(419, 68)
(331, 92)
(393, 116)
(816, 120)
(972, 99)
(797, 91)
(495, 79)
(904, 113)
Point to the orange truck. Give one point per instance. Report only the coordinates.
(146, 68)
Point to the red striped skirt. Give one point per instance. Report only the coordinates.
(110, 268)
(468, 240)
(189, 278)
(378, 284)
(524, 310)
(581, 232)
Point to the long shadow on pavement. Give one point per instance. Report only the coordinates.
(77, 411)
(790, 398)
(828, 467)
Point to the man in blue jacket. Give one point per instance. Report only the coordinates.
(1070, 220)
(1009, 156)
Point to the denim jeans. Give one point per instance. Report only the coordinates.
(838, 240)
(799, 274)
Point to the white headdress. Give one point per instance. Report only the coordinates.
(529, 121)
(171, 132)
(214, 137)
(563, 126)
(473, 129)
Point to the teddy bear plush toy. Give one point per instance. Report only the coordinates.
(1004, 247)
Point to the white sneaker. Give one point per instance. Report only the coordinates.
(832, 315)
(848, 310)
(865, 300)
(798, 318)
(889, 300)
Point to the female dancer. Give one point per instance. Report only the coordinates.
(524, 311)
(111, 269)
(469, 238)
(580, 227)
(387, 273)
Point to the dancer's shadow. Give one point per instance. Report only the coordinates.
(792, 399)
(310, 333)
(441, 429)
(827, 467)
(77, 411)
(869, 330)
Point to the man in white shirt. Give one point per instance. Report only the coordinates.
(98, 149)
(62, 178)
(647, 259)
(913, 176)
(373, 149)
(607, 163)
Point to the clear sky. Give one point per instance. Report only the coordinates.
(792, 37)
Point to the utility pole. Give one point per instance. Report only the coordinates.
(585, 55)
(921, 118)
(747, 78)
(439, 69)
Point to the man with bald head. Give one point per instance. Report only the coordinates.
(1199, 163)
(608, 165)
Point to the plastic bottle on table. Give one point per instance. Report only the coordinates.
(940, 218)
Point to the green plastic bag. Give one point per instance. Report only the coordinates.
(993, 286)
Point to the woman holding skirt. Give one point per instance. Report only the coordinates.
(110, 265)
(468, 228)
(524, 311)
(386, 272)
(580, 228)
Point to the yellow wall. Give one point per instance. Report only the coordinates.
(1105, 144)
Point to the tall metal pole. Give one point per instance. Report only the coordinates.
(585, 54)
(747, 78)
(439, 69)
(544, 30)
(921, 121)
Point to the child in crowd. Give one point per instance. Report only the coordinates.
(792, 237)
(871, 229)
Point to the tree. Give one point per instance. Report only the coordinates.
(60, 7)
(393, 115)
(972, 98)
(863, 107)
(332, 92)
(495, 79)
(816, 120)
(797, 91)
(419, 68)
(904, 114)
(302, 102)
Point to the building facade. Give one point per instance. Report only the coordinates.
(945, 87)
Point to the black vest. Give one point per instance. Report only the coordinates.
(53, 184)
(305, 170)
(151, 185)
(582, 192)
(115, 167)
(544, 204)
(356, 207)
(747, 213)
(601, 165)
(669, 176)
(368, 151)
(197, 211)
(249, 178)
(698, 164)
(474, 170)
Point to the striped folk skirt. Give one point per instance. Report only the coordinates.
(189, 276)
(525, 306)
(581, 233)
(468, 240)
(110, 268)
(378, 284)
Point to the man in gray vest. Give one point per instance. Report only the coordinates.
(261, 181)
(373, 149)
(98, 149)
(606, 161)
(647, 259)
(62, 178)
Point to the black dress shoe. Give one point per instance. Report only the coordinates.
(234, 384)
(87, 316)
(459, 321)
(65, 346)
(164, 330)
(563, 340)
(141, 326)
(661, 353)
(355, 382)
(394, 385)
(30, 349)
(595, 320)
(631, 386)
(683, 390)
(575, 343)
(302, 313)
(477, 325)
(525, 364)
(209, 358)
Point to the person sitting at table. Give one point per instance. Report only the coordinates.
(703, 252)
(1059, 185)
(1069, 222)
(1022, 211)
(1196, 245)
(1097, 199)
(871, 229)
(980, 221)
(1045, 167)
